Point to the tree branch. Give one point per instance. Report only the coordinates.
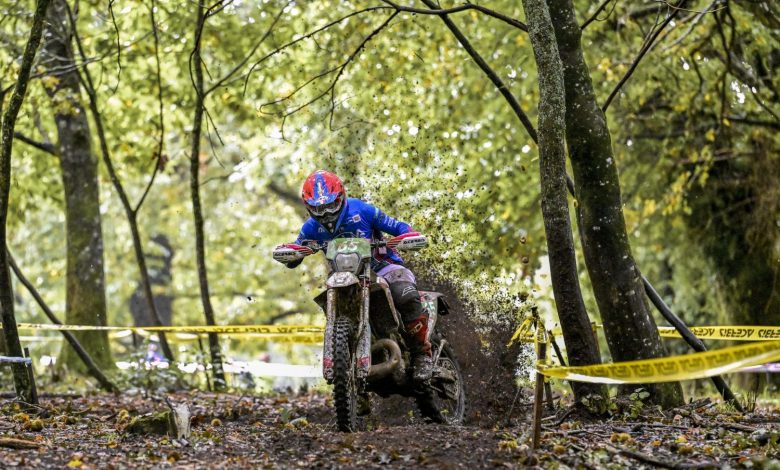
(161, 139)
(596, 14)
(468, 6)
(693, 24)
(340, 68)
(491, 74)
(118, 43)
(235, 69)
(62, 70)
(45, 146)
(754, 122)
(644, 50)
(92, 368)
(305, 36)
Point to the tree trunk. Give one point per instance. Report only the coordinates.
(208, 311)
(85, 295)
(130, 212)
(577, 333)
(24, 389)
(571, 311)
(630, 330)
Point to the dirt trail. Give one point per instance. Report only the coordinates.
(231, 431)
(280, 431)
(297, 432)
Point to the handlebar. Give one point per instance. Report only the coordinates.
(315, 246)
(291, 252)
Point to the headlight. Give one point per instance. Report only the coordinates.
(347, 262)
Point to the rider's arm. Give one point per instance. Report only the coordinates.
(304, 235)
(389, 225)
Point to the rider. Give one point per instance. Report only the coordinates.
(334, 215)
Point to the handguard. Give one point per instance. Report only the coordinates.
(290, 252)
(408, 241)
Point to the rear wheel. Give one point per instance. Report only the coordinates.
(444, 400)
(344, 389)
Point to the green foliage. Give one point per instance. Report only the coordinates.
(414, 127)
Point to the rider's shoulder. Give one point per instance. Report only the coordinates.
(361, 206)
(310, 226)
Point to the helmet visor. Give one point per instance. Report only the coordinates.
(330, 208)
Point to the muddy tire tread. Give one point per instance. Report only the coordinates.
(426, 402)
(343, 378)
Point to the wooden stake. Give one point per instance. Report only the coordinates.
(31, 378)
(541, 355)
(203, 359)
(549, 396)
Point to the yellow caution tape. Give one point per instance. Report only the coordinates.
(670, 369)
(737, 333)
(523, 333)
(722, 332)
(298, 338)
(270, 330)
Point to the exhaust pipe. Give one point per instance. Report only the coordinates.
(384, 369)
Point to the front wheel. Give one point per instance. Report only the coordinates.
(344, 389)
(444, 400)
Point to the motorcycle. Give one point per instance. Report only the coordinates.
(364, 349)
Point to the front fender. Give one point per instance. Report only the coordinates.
(341, 279)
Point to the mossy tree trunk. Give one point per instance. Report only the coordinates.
(574, 320)
(22, 384)
(630, 329)
(85, 295)
(580, 342)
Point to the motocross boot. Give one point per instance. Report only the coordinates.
(420, 348)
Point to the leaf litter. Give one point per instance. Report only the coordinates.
(232, 431)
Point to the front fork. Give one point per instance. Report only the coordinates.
(327, 347)
(362, 351)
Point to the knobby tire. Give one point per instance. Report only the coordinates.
(428, 401)
(344, 389)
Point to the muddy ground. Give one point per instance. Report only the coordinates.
(298, 431)
(230, 431)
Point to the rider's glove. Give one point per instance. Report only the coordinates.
(419, 240)
(291, 254)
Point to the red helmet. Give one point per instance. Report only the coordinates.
(323, 195)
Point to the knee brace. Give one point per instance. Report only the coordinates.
(407, 301)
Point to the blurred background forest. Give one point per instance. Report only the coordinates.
(409, 122)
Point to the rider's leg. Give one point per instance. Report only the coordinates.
(406, 298)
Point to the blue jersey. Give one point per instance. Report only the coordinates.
(359, 219)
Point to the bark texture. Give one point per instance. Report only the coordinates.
(630, 330)
(197, 212)
(85, 294)
(577, 332)
(22, 384)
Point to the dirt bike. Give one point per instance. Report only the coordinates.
(364, 348)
